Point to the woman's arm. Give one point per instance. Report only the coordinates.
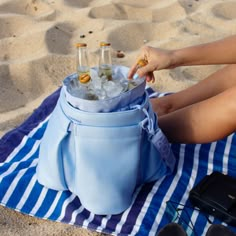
(217, 52)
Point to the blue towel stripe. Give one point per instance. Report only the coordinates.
(82, 217)
(71, 210)
(55, 210)
(231, 168)
(126, 227)
(46, 202)
(30, 203)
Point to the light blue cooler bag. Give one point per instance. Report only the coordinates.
(102, 157)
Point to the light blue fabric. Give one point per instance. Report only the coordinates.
(121, 102)
(103, 157)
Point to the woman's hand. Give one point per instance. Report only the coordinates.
(156, 59)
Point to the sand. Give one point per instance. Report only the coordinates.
(37, 39)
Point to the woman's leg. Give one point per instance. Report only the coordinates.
(214, 84)
(205, 121)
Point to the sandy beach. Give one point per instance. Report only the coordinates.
(37, 45)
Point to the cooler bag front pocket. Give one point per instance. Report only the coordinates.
(107, 165)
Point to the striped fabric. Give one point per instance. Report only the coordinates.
(20, 190)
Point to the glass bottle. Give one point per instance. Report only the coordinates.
(82, 63)
(105, 62)
(82, 88)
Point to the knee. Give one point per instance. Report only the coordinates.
(230, 99)
(231, 67)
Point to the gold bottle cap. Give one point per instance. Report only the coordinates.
(79, 45)
(84, 79)
(104, 44)
(142, 62)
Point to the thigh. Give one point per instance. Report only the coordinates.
(202, 122)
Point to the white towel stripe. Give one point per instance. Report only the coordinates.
(226, 154)
(75, 214)
(88, 221)
(103, 223)
(210, 158)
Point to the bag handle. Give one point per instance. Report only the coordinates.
(156, 136)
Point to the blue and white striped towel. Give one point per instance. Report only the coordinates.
(20, 190)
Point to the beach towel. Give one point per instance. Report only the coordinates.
(154, 204)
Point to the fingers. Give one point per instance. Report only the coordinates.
(139, 64)
(132, 71)
(142, 72)
(142, 67)
(134, 68)
(146, 71)
(150, 77)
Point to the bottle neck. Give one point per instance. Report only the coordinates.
(105, 56)
(82, 67)
(82, 59)
(105, 63)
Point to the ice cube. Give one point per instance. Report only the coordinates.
(79, 92)
(96, 83)
(112, 89)
(101, 94)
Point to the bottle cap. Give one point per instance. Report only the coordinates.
(104, 44)
(85, 78)
(142, 62)
(79, 45)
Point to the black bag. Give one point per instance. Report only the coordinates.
(215, 194)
